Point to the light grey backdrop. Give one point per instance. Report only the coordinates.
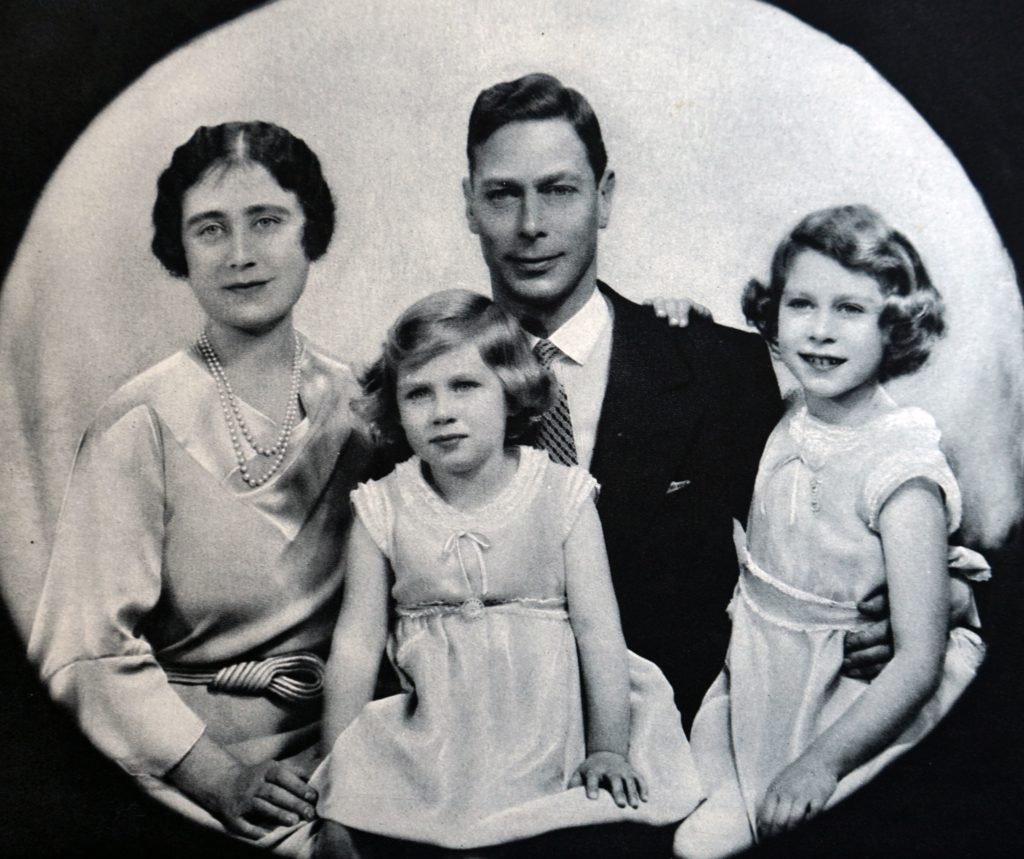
(725, 120)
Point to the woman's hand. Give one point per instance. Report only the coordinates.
(677, 311)
(249, 800)
(624, 783)
(258, 798)
(797, 794)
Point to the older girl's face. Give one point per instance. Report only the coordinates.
(829, 335)
(242, 234)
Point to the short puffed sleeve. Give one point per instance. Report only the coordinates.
(579, 490)
(372, 504)
(908, 450)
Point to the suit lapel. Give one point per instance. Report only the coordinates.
(646, 418)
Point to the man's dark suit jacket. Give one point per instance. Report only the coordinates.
(684, 420)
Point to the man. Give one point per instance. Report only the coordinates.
(670, 421)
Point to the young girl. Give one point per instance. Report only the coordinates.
(852, 492)
(490, 561)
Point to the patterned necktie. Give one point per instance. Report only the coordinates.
(554, 431)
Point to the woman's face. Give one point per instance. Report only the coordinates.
(242, 234)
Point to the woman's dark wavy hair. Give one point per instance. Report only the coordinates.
(859, 239)
(437, 324)
(287, 158)
(532, 97)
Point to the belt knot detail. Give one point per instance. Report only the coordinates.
(291, 677)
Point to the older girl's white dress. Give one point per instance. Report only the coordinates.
(813, 551)
(479, 747)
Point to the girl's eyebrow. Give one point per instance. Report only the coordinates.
(409, 385)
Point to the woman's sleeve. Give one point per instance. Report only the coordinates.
(373, 507)
(103, 582)
(911, 453)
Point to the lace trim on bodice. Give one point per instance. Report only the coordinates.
(817, 442)
(420, 496)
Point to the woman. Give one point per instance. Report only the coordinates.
(195, 576)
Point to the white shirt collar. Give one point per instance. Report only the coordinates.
(578, 335)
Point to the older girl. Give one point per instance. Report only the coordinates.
(195, 577)
(519, 696)
(853, 492)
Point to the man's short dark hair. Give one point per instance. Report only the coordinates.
(288, 159)
(535, 96)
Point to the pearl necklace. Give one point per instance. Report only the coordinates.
(233, 414)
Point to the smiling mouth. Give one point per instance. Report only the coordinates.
(534, 264)
(822, 362)
(447, 439)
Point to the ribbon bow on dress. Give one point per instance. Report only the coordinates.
(453, 545)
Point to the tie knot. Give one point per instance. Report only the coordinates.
(546, 352)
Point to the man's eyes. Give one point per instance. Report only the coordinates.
(504, 196)
(501, 195)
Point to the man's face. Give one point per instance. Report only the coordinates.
(534, 202)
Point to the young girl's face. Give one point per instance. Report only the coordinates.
(829, 336)
(453, 411)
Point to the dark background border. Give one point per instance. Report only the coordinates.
(959, 62)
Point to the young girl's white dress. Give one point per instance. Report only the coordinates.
(480, 746)
(813, 552)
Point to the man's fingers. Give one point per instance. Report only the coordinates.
(871, 660)
(872, 635)
(875, 604)
(593, 780)
(576, 780)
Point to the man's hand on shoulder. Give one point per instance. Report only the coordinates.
(677, 311)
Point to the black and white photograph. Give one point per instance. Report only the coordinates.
(497, 429)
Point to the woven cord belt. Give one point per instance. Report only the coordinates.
(290, 677)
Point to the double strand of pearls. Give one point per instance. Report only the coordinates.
(234, 419)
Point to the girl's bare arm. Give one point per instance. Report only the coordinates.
(912, 526)
(359, 635)
(594, 615)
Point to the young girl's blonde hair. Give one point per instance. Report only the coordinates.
(437, 324)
